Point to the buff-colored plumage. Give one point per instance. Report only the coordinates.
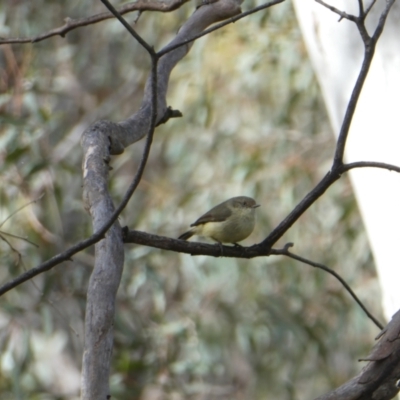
(229, 222)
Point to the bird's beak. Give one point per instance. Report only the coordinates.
(257, 205)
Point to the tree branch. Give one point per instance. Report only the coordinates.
(216, 250)
(165, 243)
(71, 24)
(331, 177)
(134, 128)
(109, 252)
(339, 278)
(342, 14)
(118, 15)
(231, 20)
(368, 164)
(369, 50)
(378, 379)
(337, 166)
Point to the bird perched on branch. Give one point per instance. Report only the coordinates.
(229, 222)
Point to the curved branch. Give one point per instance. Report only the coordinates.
(378, 380)
(106, 275)
(52, 262)
(219, 26)
(71, 24)
(310, 198)
(340, 279)
(369, 50)
(118, 15)
(215, 250)
(368, 164)
(337, 166)
(136, 127)
(194, 248)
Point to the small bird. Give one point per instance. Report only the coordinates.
(229, 222)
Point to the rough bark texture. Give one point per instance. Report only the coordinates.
(378, 379)
(104, 281)
(99, 142)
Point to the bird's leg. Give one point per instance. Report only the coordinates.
(237, 245)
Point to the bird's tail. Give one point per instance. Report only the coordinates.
(186, 235)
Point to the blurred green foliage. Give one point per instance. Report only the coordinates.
(186, 327)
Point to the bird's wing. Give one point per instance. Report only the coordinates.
(211, 217)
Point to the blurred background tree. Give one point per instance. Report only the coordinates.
(187, 327)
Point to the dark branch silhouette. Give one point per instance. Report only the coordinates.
(336, 170)
(198, 248)
(383, 361)
(117, 149)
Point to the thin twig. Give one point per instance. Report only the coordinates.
(310, 198)
(370, 7)
(369, 50)
(342, 14)
(71, 24)
(21, 208)
(361, 7)
(369, 164)
(117, 15)
(13, 249)
(149, 136)
(215, 27)
(18, 237)
(337, 166)
(66, 255)
(382, 20)
(197, 248)
(339, 278)
(52, 262)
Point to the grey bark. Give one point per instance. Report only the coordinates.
(378, 380)
(99, 142)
